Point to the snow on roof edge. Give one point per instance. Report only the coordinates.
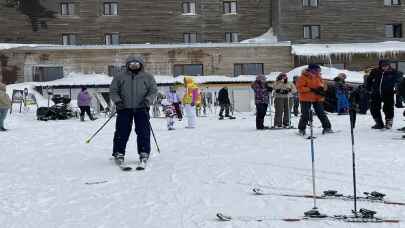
(319, 50)
(140, 46)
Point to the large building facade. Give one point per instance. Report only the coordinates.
(88, 24)
(132, 22)
(189, 21)
(337, 21)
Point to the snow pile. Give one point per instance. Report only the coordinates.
(146, 46)
(329, 73)
(326, 50)
(267, 38)
(223, 79)
(78, 79)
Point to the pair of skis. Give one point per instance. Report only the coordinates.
(359, 218)
(126, 168)
(373, 197)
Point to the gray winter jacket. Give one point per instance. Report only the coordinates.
(135, 90)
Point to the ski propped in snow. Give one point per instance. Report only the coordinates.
(338, 218)
(373, 197)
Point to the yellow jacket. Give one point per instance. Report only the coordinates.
(192, 94)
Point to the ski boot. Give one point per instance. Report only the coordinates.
(365, 213)
(143, 159)
(388, 123)
(82, 118)
(221, 117)
(378, 124)
(327, 131)
(375, 195)
(314, 213)
(119, 158)
(301, 132)
(332, 193)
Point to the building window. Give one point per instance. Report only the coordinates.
(67, 9)
(392, 2)
(112, 39)
(188, 69)
(43, 74)
(230, 7)
(110, 8)
(393, 31)
(114, 70)
(231, 37)
(310, 3)
(190, 37)
(248, 69)
(69, 39)
(189, 8)
(312, 32)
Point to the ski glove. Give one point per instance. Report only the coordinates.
(119, 105)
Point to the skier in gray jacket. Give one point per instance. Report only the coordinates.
(132, 92)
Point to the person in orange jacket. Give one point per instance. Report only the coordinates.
(311, 93)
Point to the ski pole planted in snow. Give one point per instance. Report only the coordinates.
(352, 124)
(154, 137)
(111, 116)
(314, 213)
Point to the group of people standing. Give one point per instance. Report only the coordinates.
(311, 91)
(378, 91)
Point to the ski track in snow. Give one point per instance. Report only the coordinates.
(44, 168)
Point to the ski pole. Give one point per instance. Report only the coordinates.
(289, 111)
(352, 119)
(311, 118)
(154, 138)
(111, 116)
(271, 111)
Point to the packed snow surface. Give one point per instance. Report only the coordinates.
(49, 176)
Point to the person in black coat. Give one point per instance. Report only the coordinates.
(380, 84)
(225, 103)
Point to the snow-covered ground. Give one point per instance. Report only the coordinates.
(44, 168)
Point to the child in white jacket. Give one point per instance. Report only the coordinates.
(170, 113)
